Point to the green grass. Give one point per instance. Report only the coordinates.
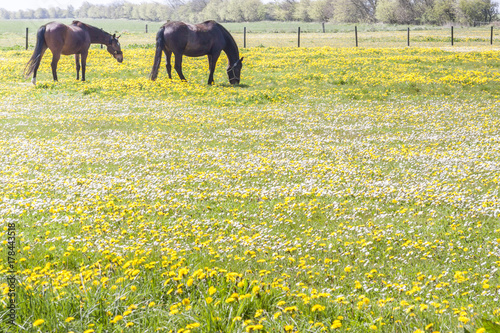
(351, 186)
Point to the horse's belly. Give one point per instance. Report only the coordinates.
(195, 53)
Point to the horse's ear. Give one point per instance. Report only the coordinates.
(241, 60)
(118, 37)
(114, 35)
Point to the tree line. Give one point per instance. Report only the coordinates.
(342, 11)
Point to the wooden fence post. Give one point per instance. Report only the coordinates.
(323, 24)
(27, 29)
(491, 36)
(244, 37)
(408, 37)
(356, 34)
(146, 28)
(298, 39)
(451, 35)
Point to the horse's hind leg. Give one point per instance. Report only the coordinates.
(168, 56)
(77, 64)
(178, 66)
(84, 64)
(37, 64)
(55, 60)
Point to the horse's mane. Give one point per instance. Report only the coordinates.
(96, 34)
(76, 22)
(88, 26)
(228, 35)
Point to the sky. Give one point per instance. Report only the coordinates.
(14, 5)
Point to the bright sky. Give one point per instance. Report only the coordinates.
(13, 5)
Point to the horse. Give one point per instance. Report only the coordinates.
(196, 40)
(70, 39)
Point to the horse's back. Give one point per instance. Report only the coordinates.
(68, 39)
(193, 40)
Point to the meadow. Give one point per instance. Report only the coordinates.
(336, 189)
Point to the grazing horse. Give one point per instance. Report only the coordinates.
(70, 39)
(196, 40)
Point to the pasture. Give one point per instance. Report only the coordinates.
(336, 189)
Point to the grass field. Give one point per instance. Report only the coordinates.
(336, 189)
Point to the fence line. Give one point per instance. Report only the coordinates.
(323, 28)
(356, 36)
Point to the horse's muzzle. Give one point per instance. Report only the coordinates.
(119, 57)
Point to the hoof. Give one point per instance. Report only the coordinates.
(33, 80)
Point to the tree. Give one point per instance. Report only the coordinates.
(366, 9)
(82, 12)
(302, 11)
(70, 12)
(442, 12)
(346, 11)
(4, 14)
(386, 11)
(41, 13)
(252, 10)
(212, 10)
(322, 10)
(282, 10)
(477, 10)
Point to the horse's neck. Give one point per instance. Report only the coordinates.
(97, 36)
(231, 49)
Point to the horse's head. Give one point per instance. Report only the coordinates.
(234, 71)
(114, 48)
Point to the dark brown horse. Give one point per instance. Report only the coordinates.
(196, 40)
(70, 39)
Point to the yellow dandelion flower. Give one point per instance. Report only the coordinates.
(38, 322)
(116, 319)
(193, 325)
(336, 324)
(318, 308)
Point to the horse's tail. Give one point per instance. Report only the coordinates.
(37, 54)
(160, 45)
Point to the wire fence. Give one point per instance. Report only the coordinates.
(479, 35)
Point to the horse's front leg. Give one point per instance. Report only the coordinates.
(168, 56)
(212, 61)
(178, 66)
(77, 63)
(84, 64)
(55, 60)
